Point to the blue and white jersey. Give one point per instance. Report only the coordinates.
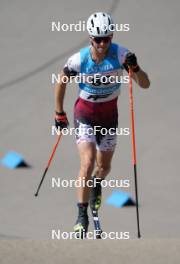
(98, 81)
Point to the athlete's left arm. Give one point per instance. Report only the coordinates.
(141, 78)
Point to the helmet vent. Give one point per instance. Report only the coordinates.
(92, 22)
(95, 15)
(104, 14)
(98, 31)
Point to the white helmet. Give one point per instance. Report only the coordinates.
(100, 25)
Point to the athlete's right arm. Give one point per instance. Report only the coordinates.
(71, 69)
(61, 120)
(60, 93)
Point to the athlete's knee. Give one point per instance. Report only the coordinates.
(103, 169)
(87, 166)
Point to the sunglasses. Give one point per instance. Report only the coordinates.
(98, 40)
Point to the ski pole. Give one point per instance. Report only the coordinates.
(49, 162)
(134, 148)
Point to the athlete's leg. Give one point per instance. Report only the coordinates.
(105, 151)
(87, 153)
(103, 163)
(103, 166)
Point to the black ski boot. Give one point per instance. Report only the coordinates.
(82, 223)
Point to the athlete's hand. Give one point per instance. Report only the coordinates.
(61, 120)
(131, 61)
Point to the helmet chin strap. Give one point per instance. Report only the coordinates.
(92, 43)
(94, 46)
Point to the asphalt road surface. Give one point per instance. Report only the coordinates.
(30, 52)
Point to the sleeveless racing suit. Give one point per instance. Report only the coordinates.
(95, 111)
